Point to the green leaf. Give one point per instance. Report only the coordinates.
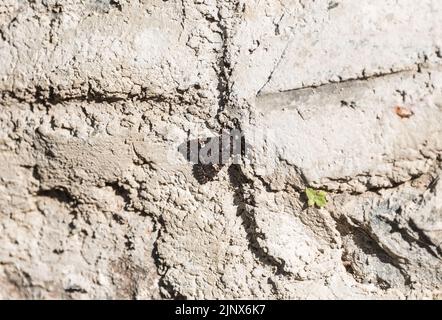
(316, 197)
(310, 196)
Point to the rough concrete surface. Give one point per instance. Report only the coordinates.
(96, 201)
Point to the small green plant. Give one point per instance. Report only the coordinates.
(316, 197)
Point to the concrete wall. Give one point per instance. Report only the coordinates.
(96, 201)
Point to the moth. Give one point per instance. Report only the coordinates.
(210, 155)
(204, 173)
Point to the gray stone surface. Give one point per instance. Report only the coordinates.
(96, 201)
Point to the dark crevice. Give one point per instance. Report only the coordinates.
(373, 189)
(59, 193)
(48, 97)
(159, 227)
(383, 284)
(2, 35)
(364, 241)
(362, 77)
(162, 267)
(54, 22)
(71, 224)
(424, 242)
(58, 251)
(183, 13)
(369, 246)
(275, 67)
(35, 174)
(299, 185)
(332, 5)
(223, 66)
(116, 4)
(122, 192)
(238, 180)
(273, 285)
(118, 219)
(74, 289)
(129, 244)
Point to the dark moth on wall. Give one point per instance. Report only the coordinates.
(210, 155)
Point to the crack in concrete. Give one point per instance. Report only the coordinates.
(278, 62)
(238, 181)
(418, 67)
(48, 97)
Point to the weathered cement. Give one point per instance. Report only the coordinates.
(97, 202)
